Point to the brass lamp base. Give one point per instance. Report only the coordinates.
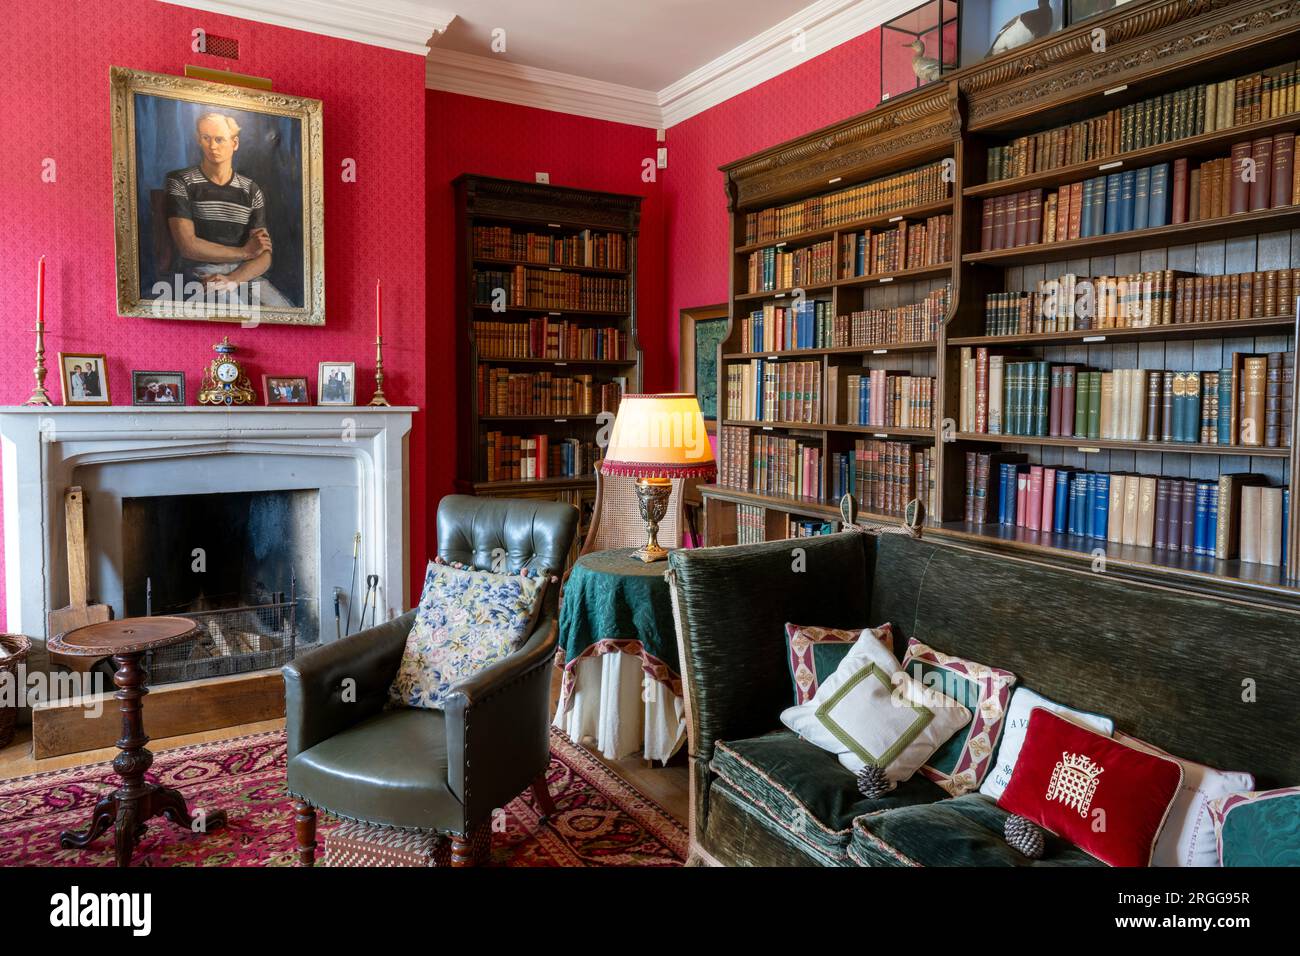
(652, 496)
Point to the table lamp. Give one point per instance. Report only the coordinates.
(657, 438)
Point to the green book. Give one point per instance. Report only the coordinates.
(1081, 404)
(1042, 398)
(1010, 398)
(1028, 386)
(1094, 405)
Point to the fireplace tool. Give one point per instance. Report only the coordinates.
(352, 588)
(338, 621)
(371, 600)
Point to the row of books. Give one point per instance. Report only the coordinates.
(905, 246)
(545, 337)
(529, 457)
(805, 324)
(1204, 108)
(544, 289)
(751, 524)
(883, 476)
(915, 187)
(1139, 300)
(774, 268)
(600, 250)
(503, 392)
(1261, 174)
(764, 391)
(1241, 405)
(901, 325)
(769, 464)
(879, 399)
(1235, 516)
(808, 528)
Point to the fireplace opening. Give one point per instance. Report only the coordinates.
(245, 565)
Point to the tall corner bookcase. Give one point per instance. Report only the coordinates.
(1154, 50)
(546, 306)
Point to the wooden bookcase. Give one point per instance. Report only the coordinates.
(558, 213)
(1152, 48)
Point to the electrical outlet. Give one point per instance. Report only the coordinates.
(662, 157)
(543, 177)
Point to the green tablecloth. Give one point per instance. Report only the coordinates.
(612, 596)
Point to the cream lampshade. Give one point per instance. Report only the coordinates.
(657, 438)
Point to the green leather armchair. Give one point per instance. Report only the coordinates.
(432, 770)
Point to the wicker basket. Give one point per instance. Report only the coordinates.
(16, 647)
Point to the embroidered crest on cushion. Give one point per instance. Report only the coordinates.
(466, 621)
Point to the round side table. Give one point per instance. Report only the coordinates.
(130, 805)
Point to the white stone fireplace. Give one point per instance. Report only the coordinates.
(352, 462)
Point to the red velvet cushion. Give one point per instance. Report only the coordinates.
(1107, 799)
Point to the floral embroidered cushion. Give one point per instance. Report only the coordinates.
(961, 764)
(467, 620)
(1261, 828)
(813, 653)
(1109, 800)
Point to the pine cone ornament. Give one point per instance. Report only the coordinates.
(1025, 836)
(872, 782)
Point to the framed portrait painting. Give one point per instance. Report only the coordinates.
(700, 331)
(218, 201)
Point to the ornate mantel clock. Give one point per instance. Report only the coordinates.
(224, 381)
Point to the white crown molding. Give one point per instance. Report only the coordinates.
(494, 79)
(404, 25)
(825, 24)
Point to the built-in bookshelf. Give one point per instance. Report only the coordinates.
(546, 306)
(1079, 270)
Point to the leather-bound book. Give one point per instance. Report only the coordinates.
(1161, 525)
(1034, 217)
(1193, 196)
(1187, 541)
(1106, 423)
(982, 390)
(1167, 406)
(1081, 405)
(1239, 199)
(1054, 417)
(1227, 536)
(1033, 512)
(1273, 401)
(1076, 211)
(1021, 230)
(1261, 188)
(1255, 379)
(1178, 193)
(1154, 382)
(1066, 424)
(1283, 170)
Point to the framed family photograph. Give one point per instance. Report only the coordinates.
(337, 383)
(85, 378)
(285, 390)
(157, 388)
(218, 201)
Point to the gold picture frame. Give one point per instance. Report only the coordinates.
(93, 390)
(155, 281)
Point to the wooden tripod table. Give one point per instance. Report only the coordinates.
(137, 800)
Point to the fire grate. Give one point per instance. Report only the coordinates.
(230, 641)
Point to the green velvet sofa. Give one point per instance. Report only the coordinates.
(1208, 679)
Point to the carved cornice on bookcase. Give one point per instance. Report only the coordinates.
(1159, 36)
(542, 202)
(870, 140)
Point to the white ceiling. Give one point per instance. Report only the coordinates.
(646, 44)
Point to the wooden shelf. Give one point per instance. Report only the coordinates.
(1182, 234)
(1206, 145)
(879, 348)
(923, 272)
(811, 507)
(537, 418)
(923, 211)
(1270, 325)
(550, 266)
(526, 484)
(547, 361)
(865, 430)
(1112, 444)
(782, 293)
(558, 313)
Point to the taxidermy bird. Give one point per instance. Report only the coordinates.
(926, 68)
(1019, 30)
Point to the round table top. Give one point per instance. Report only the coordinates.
(130, 635)
(621, 561)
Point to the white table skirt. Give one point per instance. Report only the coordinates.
(623, 708)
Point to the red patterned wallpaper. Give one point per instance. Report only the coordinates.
(838, 84)
(57, 55)
(471, 135)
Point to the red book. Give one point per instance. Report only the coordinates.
(1021, 236)
(1000, 222)
(981, 390)
(1178, 202)
(1035, 215)
(1035, 498)
(1262, 153)
(1022, 498)
(1239, 197)
(1076, 209)
(1283, 170)
(986, 225)
(1049, 500)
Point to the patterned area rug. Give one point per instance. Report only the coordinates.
(601, 821)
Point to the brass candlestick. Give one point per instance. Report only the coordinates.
(379, 398)
(39, 396)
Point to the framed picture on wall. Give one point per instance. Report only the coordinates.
(700, 331)
(218, 201)
(84, 377)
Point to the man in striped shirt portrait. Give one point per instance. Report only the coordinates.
(217, 219)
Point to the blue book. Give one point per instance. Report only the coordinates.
(1202, 517)
(1007, 494)
(1158, 214)
(1060, 509)
(860, 260)
(1112, 221)
(1076, 484)
(1212, 519)
(1225, 406)
(1286, 517)
(758, 389)
(1127, 189)
(1085, 217)
(1099, 207)
(1100, 505)
(1142, 198)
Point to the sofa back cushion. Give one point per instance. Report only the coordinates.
(1208, 680)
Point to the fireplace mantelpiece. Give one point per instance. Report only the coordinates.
(357, 455)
